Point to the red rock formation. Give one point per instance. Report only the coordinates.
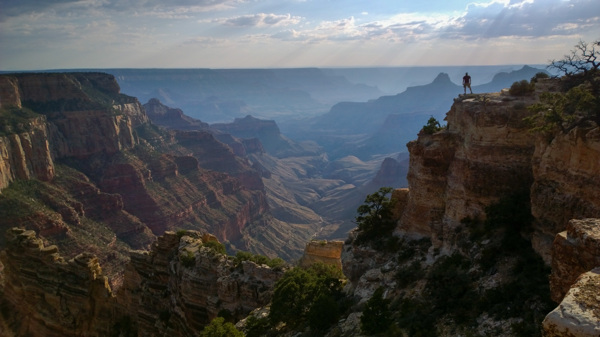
(175, 289)
(180, 286)
(48, 296)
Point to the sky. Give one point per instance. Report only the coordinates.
(69, 34)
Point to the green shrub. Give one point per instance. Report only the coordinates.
(304, 293)
(257, 327)
(522, 88)
(538, 76)
(216, 246)
(564, 111)
(219, 328)
(180, 233)
(410, 274)
(15, 120)
(275, 263)
(323, 313)
(432, 126)
(375, 220)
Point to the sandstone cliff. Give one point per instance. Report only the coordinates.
(45, 295)
(327, 252)
(486, 154)
(483, 155)
(176, 289)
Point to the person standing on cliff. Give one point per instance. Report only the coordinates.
(467, 83)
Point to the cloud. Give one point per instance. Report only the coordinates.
(260, 20)
(13, 8)
(488, 20)
(525, 18)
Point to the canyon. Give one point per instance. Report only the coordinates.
(112, 227)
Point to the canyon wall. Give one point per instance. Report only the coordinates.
(102, 141)
(59, 119)
(174, 289)
(483, 154)
(487, 153)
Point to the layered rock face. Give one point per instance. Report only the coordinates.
(482, 156)
(26, 155)
(130, 175)
(179, 286)
(327, 252)
(74, 123)
(487, 153)
(175, 289)
(566, 184)
(45, 295)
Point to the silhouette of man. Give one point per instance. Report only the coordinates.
(467, 83)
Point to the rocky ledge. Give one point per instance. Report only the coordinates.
(175, 289)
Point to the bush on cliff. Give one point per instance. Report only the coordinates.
(308, 296)
(219, 328)
(579, 102)
(432, 126)
(522, 88)
(240, 256)
(375, 218)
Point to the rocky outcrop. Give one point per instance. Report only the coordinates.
(578, 314)
(322, 251)
(266, 131)
(214, 155)
(484, 154)
(575, 251)
(180, 285)
(175, 289)
(47, 296)
(171, 118)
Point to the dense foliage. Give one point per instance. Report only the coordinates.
(308, 296)
(375, 218)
